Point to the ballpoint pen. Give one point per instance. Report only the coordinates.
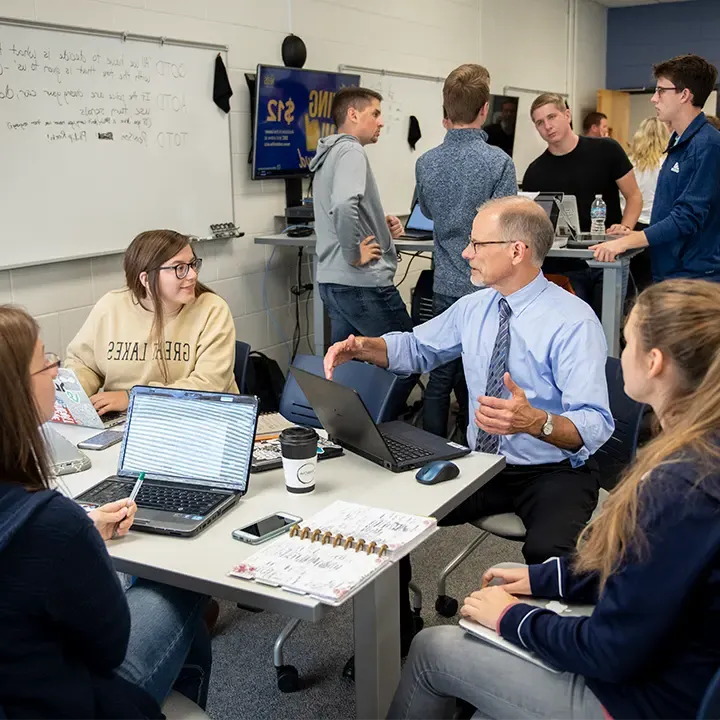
(131, 499)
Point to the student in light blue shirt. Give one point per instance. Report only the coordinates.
(534, 357)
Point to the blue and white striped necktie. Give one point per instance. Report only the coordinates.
(498, 367)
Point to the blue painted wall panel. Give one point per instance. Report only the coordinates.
(640, 36)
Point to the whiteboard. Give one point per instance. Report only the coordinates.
(103, 137)
(392, 160)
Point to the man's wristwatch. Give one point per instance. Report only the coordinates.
(547, 427)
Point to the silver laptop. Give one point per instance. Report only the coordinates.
(195, 449)
(65, 458)
(418, 227)
(73, 406)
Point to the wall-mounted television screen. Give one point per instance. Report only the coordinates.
(292, 112)
(501, 120)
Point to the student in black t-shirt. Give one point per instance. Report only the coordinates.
(583, 167)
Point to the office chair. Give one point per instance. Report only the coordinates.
(615, 455)
(378, 390)
(242, 351)
(421, 304)
(178, 707)
(375, 386)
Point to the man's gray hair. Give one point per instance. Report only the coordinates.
(521, 219)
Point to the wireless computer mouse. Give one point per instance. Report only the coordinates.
(437, 472)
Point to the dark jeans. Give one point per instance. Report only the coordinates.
(371, 312)
(169, 644)
(443, 380)
(554, 502)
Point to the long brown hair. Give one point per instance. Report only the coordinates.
(23, 453)
(681, 318)
(146, 253)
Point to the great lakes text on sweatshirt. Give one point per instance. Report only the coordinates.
(115, 350)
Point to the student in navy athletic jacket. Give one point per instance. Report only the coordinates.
(650, 562)
(72, 643)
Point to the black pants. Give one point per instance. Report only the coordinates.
(554, 502)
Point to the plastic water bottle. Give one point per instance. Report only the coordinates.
(598, 213)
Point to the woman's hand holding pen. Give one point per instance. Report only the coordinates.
(114, 519)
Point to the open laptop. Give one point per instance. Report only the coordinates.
(395, 445)
(65, 458)
(418, 227)
(550, 202)
(195, 449)
(73, 406)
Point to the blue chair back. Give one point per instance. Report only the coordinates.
(617, 453)
(242, 352)
(710, 705)
(374, 385)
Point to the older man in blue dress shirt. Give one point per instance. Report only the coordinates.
(534, 358)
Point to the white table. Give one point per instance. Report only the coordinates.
(202, 563)
(612, 301)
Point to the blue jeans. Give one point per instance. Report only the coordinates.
(169, 644)
(370, 312)
(443, 380)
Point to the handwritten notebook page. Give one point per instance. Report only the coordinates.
(401, 532)
(334, 570)
(330, 574)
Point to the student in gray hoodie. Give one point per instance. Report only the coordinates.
(356, 254)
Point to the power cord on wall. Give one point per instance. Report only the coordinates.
(299, 290)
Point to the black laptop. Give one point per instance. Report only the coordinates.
(418, 227)
(395, 445)
(195, 449)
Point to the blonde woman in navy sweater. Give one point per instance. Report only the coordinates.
(650, 562)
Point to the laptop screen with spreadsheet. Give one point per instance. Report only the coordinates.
(189, 436)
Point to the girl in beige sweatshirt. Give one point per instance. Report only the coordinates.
(165, 328)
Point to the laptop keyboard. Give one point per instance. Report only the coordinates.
(154, 496)
(402, 450)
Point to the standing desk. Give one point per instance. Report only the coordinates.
(201, 563)
(612, 301)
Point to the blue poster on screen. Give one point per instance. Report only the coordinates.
(293, 113)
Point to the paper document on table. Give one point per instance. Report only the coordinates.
(337, 552)
(272, 423)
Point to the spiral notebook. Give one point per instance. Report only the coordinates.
(336, 552)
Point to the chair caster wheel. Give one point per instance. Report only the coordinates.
(446, 606)
(287, 678)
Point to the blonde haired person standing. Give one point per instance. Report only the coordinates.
(650, 562)
(647, 154)
(164, 328)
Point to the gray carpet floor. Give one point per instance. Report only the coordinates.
(244, 681)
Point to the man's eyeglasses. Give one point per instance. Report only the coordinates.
(182, 269)
(52, 361)
(475, 244)
(660, 90)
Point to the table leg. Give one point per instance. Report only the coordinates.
(376, 610)
(318, 313)
(612, 306)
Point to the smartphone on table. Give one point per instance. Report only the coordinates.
(102, 440)
(266, 528)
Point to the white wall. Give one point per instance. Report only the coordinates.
(548, 46)
(523, 42)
